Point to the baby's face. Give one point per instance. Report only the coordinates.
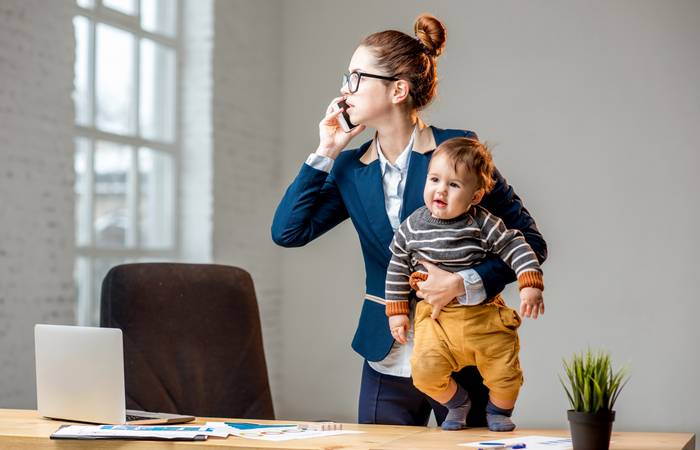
(449, 193)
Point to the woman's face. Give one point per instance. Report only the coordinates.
(372, 99)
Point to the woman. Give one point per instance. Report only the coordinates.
(392, 76)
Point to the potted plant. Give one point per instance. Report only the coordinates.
(592, 389)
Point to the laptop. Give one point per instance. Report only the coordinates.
(80, 377)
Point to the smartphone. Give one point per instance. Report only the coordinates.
(344, 118)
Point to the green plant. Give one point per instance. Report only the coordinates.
(593, 384)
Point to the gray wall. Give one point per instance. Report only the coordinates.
(593, 108)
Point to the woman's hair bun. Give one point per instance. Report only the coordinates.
(431, 33)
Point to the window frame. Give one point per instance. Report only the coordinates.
(88, 302)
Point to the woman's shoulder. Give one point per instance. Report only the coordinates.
(443, 134)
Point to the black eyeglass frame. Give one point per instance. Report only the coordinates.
(346, 79)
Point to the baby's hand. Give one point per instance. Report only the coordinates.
(531, 302)
(399, 327)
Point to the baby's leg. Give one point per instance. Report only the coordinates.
(458, 406)
(498, 417)
(499, 364)
(503, 378)
(432, 377)
(432, 365)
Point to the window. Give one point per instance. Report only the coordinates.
(127, 146)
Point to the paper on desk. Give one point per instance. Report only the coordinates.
(274, 432)
(532, 442)
(136, 431)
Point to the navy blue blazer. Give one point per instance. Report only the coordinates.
(317, 201)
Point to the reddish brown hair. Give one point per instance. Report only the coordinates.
(411, 59)
(472, 156)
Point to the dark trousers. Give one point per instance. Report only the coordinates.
(390, 400)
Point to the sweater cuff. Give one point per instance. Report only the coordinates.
(531, 279)
(397, 308)
(415, 278)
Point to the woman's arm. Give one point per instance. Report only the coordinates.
(311, 206)
(503, 202)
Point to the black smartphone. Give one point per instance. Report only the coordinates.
(344, 118)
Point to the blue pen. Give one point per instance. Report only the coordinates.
(501, 445)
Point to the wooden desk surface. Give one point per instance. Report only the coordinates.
(434, 439)
(25, 429)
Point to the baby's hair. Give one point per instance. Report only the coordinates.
(472, 156)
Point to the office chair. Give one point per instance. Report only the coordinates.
(192, 339)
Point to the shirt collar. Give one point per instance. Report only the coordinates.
(402, 161)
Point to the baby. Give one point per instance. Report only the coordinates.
(454, 233)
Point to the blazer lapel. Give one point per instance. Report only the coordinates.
(415, 182)
(417, 170)
(368, 182)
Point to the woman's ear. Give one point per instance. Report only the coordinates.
(400, 91)
(478, 195)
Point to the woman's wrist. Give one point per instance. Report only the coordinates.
(458, 284)
(327, 152)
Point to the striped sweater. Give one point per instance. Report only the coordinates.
(454, 245)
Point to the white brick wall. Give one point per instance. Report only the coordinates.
(36, 183)
(196, 194)
(247, 72)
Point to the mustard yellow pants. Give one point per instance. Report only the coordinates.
(483, 335)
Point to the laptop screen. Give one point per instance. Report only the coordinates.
(80, 373)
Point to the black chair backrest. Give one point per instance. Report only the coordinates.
(192, 339)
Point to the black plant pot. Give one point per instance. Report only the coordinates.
(591, 431)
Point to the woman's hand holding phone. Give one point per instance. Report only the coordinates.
(332, 138)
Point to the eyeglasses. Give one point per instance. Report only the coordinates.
(352, 80)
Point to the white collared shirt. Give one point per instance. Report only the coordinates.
(394, 180)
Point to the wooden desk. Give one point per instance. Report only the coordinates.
(436, 439)
(25, 430)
